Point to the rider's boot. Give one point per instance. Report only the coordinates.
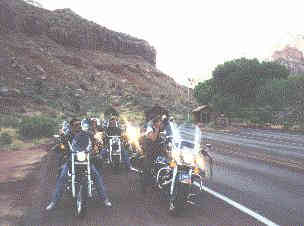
(107, 203)
(51, 206)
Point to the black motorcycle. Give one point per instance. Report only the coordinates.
(115, 140)
(80, 183)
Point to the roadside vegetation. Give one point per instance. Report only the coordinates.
(19, 132)
(252, 92)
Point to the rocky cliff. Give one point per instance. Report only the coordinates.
(68, 29)
(57, 61)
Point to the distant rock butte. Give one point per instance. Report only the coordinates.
(292, 58)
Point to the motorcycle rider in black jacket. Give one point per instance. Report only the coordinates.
(152, 148)
(61, 180)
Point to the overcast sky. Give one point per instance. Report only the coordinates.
(192, 37)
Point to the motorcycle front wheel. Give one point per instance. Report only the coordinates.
(208, 166)
(81, 201)
(178, 198)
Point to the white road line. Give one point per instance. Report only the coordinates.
(242, 208)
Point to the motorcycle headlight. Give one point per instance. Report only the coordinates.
(189, 159)
(81, 156)
(62, 147)
(188, 156)
(175, 154)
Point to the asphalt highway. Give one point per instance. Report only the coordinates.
(262, 170)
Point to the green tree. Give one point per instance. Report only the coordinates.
(273, 70)
(225, 104)
(204, 91)
(279, 94)
(242, 77)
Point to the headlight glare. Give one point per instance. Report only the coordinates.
(81, 156)
(172, 164)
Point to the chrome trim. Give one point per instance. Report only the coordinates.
(173, 180)
(161, 169)
(89, 176)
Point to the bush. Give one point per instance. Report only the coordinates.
(8, 121)
(5, 139)
(37, 127)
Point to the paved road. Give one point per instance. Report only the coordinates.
(130, 207)
(263, 170)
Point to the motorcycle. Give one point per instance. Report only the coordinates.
(116, 140)
(114, 148)
(183, 167)
(189, 165)
(80, 183)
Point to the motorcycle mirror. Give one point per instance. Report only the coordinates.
(205, 150)
(208, 147)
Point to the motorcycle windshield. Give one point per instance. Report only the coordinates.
(170, 129)
(189, 136)
(187, 139)
(81, 142)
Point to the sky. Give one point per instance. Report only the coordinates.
(192, 37)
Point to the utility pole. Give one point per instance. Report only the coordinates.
(189, 102)
(192, 83)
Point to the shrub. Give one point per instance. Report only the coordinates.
(5, 139)
(37, 127)
(8, 121)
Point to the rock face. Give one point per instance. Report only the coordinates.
(292, 58)
(67, 28)
(60, 61)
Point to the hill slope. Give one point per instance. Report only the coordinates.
(56, 61)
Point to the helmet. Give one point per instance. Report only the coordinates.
(113, 117)
(96, 120)
(85, 125)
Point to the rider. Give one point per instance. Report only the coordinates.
(152, 148)
(61, 180)
(112, 128)
(95, 126)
